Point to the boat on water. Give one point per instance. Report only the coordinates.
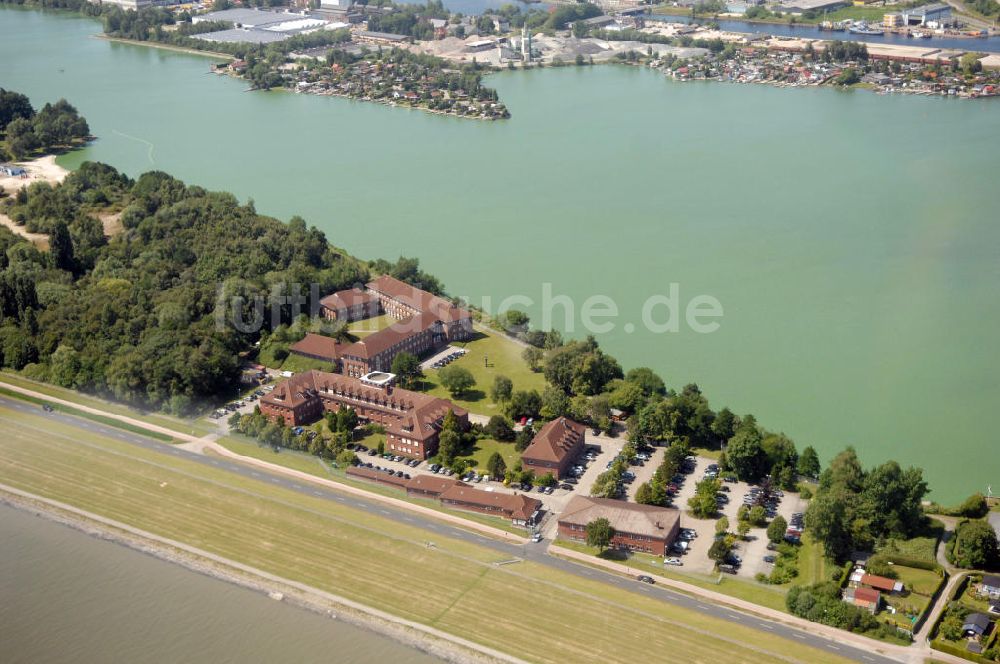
(919, 34)
(862, 28)
(830, 26)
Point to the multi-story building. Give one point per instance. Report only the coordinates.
(643, 528)
(554, 448)
(401, 300)
(318, 347)
(350, 305)
(415, 335)
(412, 420)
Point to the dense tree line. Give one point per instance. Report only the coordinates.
(410, 20)
(855, 509)
(26, 131)
(145, 318)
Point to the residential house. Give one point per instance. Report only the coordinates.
(318, 347)
(976, 625)
(643, 528)
(990, 586)
(860, 578)
(554, 448)
(520, 509)
(412, 420)
(864, 598)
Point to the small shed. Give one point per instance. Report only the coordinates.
(12, 170)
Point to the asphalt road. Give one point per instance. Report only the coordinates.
(533, 552)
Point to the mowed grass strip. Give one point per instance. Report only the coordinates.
(528, 609)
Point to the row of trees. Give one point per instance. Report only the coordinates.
(26, 131)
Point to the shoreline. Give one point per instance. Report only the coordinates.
(425, 639)
(166, 47)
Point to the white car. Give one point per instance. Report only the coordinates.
(673, 561)
(537, 537)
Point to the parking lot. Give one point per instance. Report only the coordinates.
(442, 357)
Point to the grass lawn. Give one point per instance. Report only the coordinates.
(297, 363)
(197, 427)
(770, 596)
(814, 566)
(911, 606)
(923, 547)
(306, 463)
(347, 551)
(484, 449)
(360, 329)
(490, 355)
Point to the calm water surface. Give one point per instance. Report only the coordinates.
(851, 238)
(68, 597)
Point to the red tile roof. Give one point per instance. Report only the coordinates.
(432, 484)
(381, 341)
(880, 582)
(347, 298)
(519, 507)
(417, 299)
(413, 415)
(317, 345)
(866, 596)
(555, 440)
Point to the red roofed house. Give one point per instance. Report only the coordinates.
(554, 448)
(412, 420)
(350, 305)
(520, 509)
(860, 578)
(318, 347)
(865, 598)
(430, 486)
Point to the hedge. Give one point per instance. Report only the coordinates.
(959, 652)
(846, 574)
(911, 562)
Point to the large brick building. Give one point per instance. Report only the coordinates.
(401, 300)
(520, 509)
(318, 347)
(412, 420)
(350, 305)
(643, 528)
(554, 448)
(415, 335)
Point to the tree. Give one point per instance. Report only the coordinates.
(496, 467)
(500, 428)
(533, 357)
(808, 464)
(745, 455)
(555, 403)
(725, 425)
(345, 458)
(380, 448)
(524, 403)
(777, 528)
(61, 247)
(600, 533)
(970, 63)
(502, 389)
(976, 545)
(407, 367)
(719, 550)
(743, 529)
(722, 525)
(523, 439)
(644, 494)
(457, 380)
(757, 516)
(448, 446)
(13, 105)
(648, 380)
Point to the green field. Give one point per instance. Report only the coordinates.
(559, 618)
(814, 566)
(770, 596)
(197, 427)
(484, 449)
(360, 329)
(490, 355)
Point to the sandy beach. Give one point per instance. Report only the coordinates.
(43, 169)
(427, 639)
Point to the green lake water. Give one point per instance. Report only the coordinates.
(852, 239)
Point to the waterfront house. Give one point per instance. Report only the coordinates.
(401, 300)
(554, 448)
(643, 528)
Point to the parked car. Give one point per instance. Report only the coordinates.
(769, 559)
(677, 562)
(728, 569)
(645, 578)
(537, 537)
